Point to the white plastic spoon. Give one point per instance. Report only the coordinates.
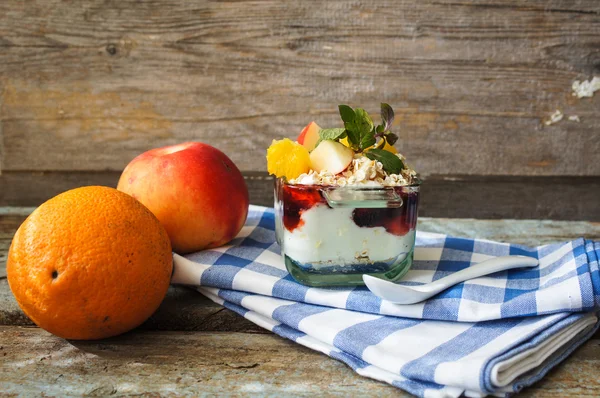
(401, 294)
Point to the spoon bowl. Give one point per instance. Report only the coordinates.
(402, 294)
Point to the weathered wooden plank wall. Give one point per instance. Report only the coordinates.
(85, 86)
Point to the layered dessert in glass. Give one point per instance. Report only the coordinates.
(345, 203)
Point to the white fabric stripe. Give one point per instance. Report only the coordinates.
(270, 324)
(566, 294)
(264, 305)
(273, 259)
(473, 311)
(428, 253)
(392, 353)
(418, 275)
(331, 298)
(261, 321)
(408, 311)
(376, 373)
(186, 272)
(255, 282)
(223, 249)
(212, 294)
(564, 269)
(314, 344)
(488, 281)
(507, 371)
(379, 374)
(465, 372)
(245, 231)
(556, 255)
(326, 325)
(474, 394)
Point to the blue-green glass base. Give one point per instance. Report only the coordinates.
(352, 276)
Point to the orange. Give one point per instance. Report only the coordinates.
(286, 158)
(90, 263)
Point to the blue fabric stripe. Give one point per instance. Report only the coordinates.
(530, 379)
(267, 220)
(593, 254)
(233, 296)
(526, 342)
(293, 314)
(235, 308)
(287, 332)
(357, 338)
(361, 299)
(289, 289)
(415, 387)
(460, 346)
(221, 277)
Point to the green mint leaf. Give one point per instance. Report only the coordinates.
(387, 116)
(391, 138)
(367, 141)
(346, 113)
(348, 116)
(332, 134)
(363, 121)
(353, 136)
(391, 163)
(380, 129)
(364, 125)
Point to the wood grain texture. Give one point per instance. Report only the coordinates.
(173, 363)
(191, 363)
(90, 86)
(33, 188)
(484, 197)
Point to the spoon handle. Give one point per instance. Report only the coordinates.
(483, 268)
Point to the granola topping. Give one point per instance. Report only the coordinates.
(362, 171)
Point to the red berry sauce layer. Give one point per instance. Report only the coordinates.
(397, 221)
(296, 200)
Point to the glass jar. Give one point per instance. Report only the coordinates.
(331, 236)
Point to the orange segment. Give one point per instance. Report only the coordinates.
(286, 158)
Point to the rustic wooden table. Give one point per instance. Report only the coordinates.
(87, 86)
(192, 346)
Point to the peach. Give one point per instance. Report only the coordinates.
(331, 156)
(309, 136)
(195, 190)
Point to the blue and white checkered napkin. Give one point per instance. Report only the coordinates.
(490, 335)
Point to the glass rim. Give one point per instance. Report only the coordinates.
(416, 184)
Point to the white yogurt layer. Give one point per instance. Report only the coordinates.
(330, 237)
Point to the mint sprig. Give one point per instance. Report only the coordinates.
(359, 127)
(391, 163)
(361, 131)
(364, 136)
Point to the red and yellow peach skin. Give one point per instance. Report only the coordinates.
(195, 190)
